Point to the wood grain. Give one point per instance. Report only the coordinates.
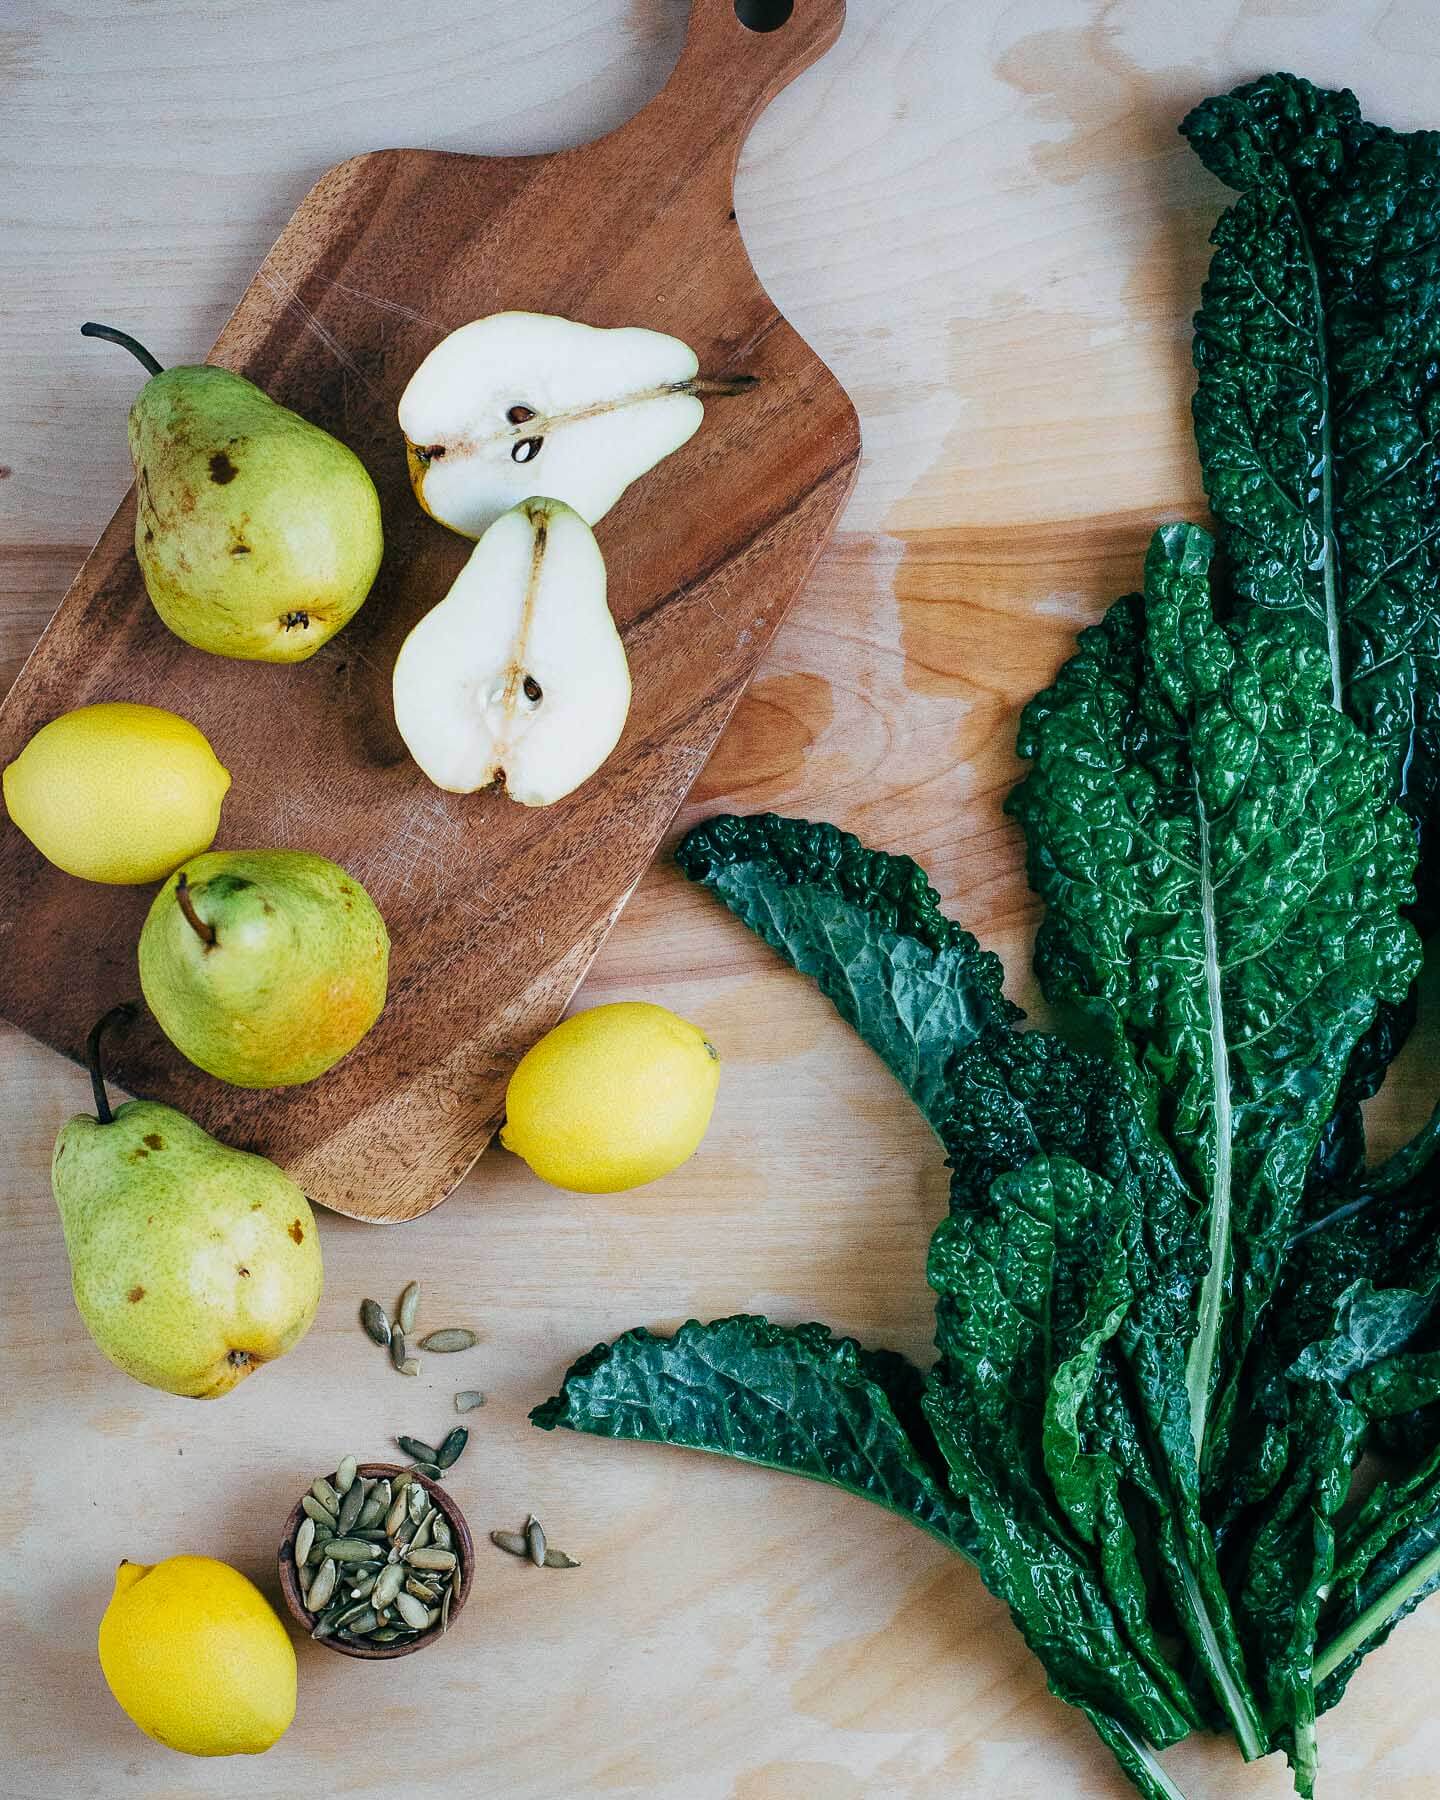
(981, 218)
(494, 910)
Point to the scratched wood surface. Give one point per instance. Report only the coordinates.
(981, 218)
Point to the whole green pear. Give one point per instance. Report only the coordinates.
(258, 534)
(192, 1263)
(264, 967)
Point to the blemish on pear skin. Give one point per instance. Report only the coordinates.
(154, 1140)
(255, 1205)
(138, 1154)
(136, 1293)
(222, 469)
(5, 471)
(240, 1269)
(297, 1231)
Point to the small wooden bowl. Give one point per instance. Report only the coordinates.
(463, 1544)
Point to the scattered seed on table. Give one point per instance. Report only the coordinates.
(449, 1451)
(373, 1320)
(397, 1348)
(418, 1449)
(409, 1305)
(535, 1541)
(410, 1366)
(514, 1543)
(468, 1399)
(557, 1559)
(451, 1339)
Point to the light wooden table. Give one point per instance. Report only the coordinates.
(981, 216)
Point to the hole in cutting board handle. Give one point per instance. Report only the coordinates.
(763, 15)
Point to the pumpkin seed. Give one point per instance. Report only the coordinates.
(557, 1559)
(325, 1494)
(388, 1636)
(377, 1504)
(372, 1535)
(410, 1366)
(422, 1590)
(363, 1623)
(397, 1348)
(397, 1515)
(344, 1477)
(321, 1515)
(452, 1338)
(431, 1471)
(412, 1611)
(350, 1506)
(418, 1500)
(409, 1305)
(349, 1550)
(445, 1599)
(418, 1449)
(325, 1628)
(304, 1538)
(444, 1560)
(514, 1543)
(364, 1587)
(373, 1320)
(322, 1587)
(422, 1532)
(449, 1451)
(535, 1541)
(440, 1533)
(402, 1480)
(468, 1399)
(387, 1585)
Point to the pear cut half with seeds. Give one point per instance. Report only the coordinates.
(518, 676)
(527, 403)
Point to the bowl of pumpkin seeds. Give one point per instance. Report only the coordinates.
(376, 1560)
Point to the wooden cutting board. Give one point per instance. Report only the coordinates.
(495, 910)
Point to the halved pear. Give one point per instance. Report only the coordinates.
(518, 676)
(528, 403)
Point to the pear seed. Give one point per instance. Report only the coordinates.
(526, 450)
(375, 1323)
(468, 1399)
(408, 1307)
(460, 1337)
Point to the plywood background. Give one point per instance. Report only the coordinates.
(981, 217)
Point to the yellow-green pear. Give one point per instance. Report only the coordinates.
(192, 1263)
(258, 534)
(264, 967)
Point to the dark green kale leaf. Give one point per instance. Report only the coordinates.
(1317, 413)
(1223, 886)
(868, 928)
(795, 1399)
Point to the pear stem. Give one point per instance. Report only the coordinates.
(136, 349)
(717, 386)
(203, 930)
(116, 1015)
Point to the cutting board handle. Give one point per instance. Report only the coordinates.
(729, 71)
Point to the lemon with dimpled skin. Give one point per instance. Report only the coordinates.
(195, 1654)
(612, 1098)
(117, 792)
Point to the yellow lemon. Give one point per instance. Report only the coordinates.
(196, 1656)
(117, 792)
(612, 1098)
